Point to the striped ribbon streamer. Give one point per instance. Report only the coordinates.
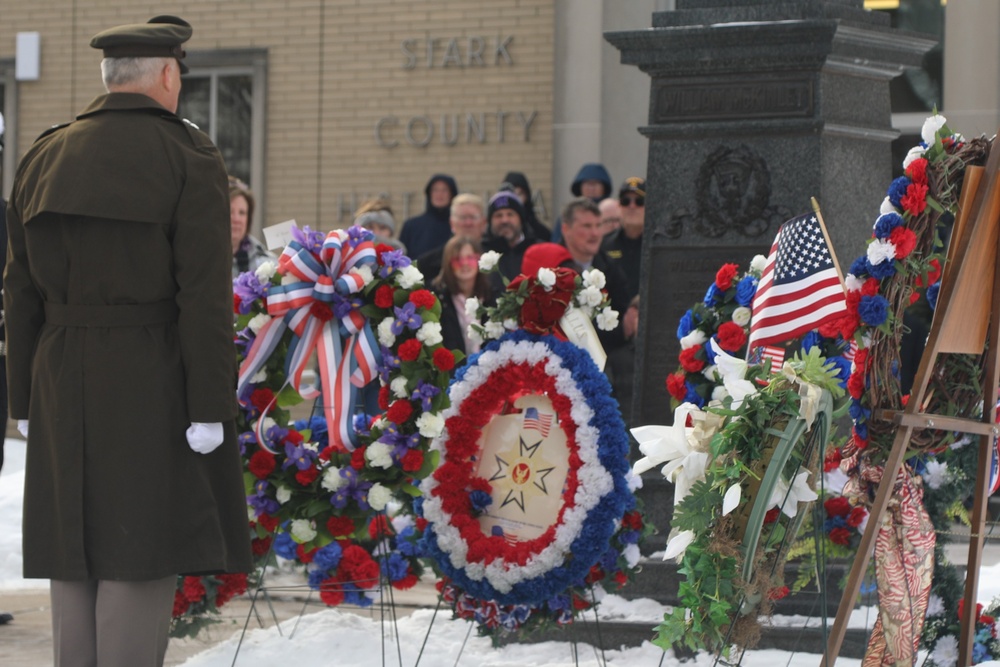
(345, 345)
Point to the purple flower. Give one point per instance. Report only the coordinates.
(392, 436)
(425, 393)
(356, 489)
(406, 318)
(390, 362)
(248, 289)
(343, 305)
(357, 235)
(308, 239)
(246, 438)
(298, 455)
(260, 501)
(275, 436)
(393, 259)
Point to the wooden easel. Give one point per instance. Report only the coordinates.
(968, 308)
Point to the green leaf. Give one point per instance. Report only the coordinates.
(288, 397)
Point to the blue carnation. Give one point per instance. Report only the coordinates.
(285, 546)
(859, 267)
(713, 295)
(692, 396)
(886, 223)
(745, 291)
(979, 653)
(328, 558)
(316, 578)
(843, 369)
(861, 429)
(858, 412)
(897, 189)
(873, 310)
(811, 340)
(686, 325)
(395, 567)
(932, 294)
(885, 269)
(480, 500)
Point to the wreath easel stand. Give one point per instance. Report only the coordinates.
(966, 317)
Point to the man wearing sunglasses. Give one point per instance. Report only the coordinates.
(624, 246)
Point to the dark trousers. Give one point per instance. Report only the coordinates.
(3, 405)
(111, 623)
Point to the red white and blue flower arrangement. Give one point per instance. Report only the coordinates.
(511, 584)
(335, 493)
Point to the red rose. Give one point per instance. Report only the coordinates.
(542, 310)
(180, 604)
(383, 397)
(413, 460)
(621, 578)
(260, 546)
(724, 277)
(340, 526)
(772, 515)
(731, 337)
(381, 248)
(777, 593)
(379, 527)
(690, 362)
(856, 384)
(596, 574)
(580, 603)
(410, 350)
(676, 386)
(262, 464)
(261, 398)
(399, 411)
(358, 458)
(917, 171)
(422, 298)
(331, 592)
(194, 590)
(837, 506)
(444, 359)
(384, 296)
(840, 536)
(915, 200)
(268, 522)
(914, 297)
(294, 437)
(832, 460)
(307, 476)
(321, 311)
(979, 609)
(856, 516)
(905, 241)
(870, 286)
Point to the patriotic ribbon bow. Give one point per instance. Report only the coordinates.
(321, 310)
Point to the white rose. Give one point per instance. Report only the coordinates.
(758, 263)
(590, 296)
(365, 272)
(471, 306)
(510, 324)
(398, 388)
(915, 153)
(408, 277)
(488, 260)
(430, 425)
(696, 337)
(378, 496)
(303, 531)
(880, 251)
(259, 376)
(607, 319)
(429, 333)
(265, 271)
(332, 479)
(931, 127)
(886, 207)
(594, 277)
(379, 455)
(385, 335)
(546, 277)
(853, 283)
(257, 322)
(741, 316)
(283, 494)
(494, 329)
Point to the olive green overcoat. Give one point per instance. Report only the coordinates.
(118, 300)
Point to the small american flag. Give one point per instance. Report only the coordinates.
(775, 354)
(536, 421)
(852, 349)
(800, 288)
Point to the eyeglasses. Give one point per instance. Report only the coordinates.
(468, 218)
(468, 260)
(638, 201)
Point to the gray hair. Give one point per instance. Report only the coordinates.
(133, 72)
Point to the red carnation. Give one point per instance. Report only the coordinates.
(383, 397)
(410, 350)
(690, 362)
(331, 592)
(832, 460)
(384, 296)
(180, 604)
(307, 476)
(596, 574)
(421, 523)
(870, 286)
(194, 590)
(724, 277)
(856, 384)
(399, 411)
(632, 521)
(261, 398)
(917, 171)
(731, 337)
(676, 386)
(294, 437)
(830, 328)
(262, 464)
(840, 536)
(905, 241)
(260, 546)
(422, 298)
(321, 311)
(358, 458)
(856, 516)
(413, 460)
(236, 309)
(915, 200)
(621, 578)
(381, 248)
(305, 555)
(837, 506)
(379, 527)
(268, 522)
(444, 359)
(406, 583)
(340, 526)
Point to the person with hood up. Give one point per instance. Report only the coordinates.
(518, 182)
(593, 182)
(431, 229)
(507, 235)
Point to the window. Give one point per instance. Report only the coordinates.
(223, 95)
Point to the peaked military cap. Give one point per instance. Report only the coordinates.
(160, 37)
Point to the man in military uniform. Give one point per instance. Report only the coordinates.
(122, 370)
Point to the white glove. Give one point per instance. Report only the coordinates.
(22, 427)
(204, 438)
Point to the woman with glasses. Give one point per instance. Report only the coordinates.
(460, 280)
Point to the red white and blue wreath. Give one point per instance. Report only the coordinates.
(497, 564)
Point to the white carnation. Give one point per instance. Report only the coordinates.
(936, 474)
(398, 387)
(741, 316)
(546, 277)
(607, 319)
(631, 554)
(303, 531)
(915, 153)
(945, 653)
(474, 336)
(880, 251)
(257, 322)
(332, 479)
(594, 277)
(853, 283)
(409, 277)
(365, 272)
(265, 271)
(510, 324)
(696, 337)
(378, 496)
(927, 132)
(429, 333)
(488, 260)
(259, 376)
(385, 335)
(494, 329)
(590, 296)
(430, 424)
(758, 263)
(283, 494)
(379, 455)
(471, 306)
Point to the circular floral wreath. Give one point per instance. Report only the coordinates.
(595, 496)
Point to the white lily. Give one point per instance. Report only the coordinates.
(677, 544)
(677, 447)
(799, 492)
(733, 370)
(732, 499)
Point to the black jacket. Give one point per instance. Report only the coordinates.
(432, 228)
